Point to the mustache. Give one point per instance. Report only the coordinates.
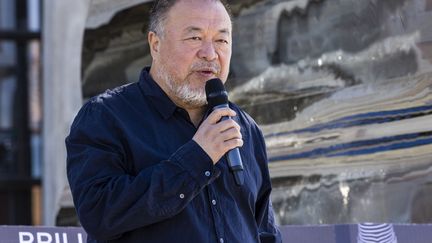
(206, 66)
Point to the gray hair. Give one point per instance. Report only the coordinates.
(159, 12)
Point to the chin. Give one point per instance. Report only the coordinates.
(196, 104)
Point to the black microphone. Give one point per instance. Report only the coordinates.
(217, 97)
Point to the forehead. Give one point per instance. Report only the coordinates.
(198, 13)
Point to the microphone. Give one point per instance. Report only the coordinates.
(217, 98)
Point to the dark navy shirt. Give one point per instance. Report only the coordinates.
(136, 175)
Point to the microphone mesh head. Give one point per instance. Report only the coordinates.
(216, 93)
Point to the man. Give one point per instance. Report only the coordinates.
(144, 162)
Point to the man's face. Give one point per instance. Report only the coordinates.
(195, 47)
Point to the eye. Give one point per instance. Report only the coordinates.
(223, 41)
(195, 38)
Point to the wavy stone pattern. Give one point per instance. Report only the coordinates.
(348, 117)
(341, 88)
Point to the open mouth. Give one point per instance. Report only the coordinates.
(206, 72)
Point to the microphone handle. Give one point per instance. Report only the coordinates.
(236, 166)
(233, 157)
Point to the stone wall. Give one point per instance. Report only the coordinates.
(341, 89)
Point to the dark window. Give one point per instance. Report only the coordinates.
(20, 111)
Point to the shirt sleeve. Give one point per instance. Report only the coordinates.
(268, 230)
(109, 200)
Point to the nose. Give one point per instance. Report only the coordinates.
(208, 51)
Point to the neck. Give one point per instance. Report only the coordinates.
(195, 113)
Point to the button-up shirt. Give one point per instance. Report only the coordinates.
(136, 175)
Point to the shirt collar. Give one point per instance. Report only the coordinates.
(156, 95)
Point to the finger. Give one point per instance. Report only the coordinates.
(233, 143)
(226, 125)
(217, 114)
(231, 134)
(224, 146)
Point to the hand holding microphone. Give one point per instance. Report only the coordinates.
(217, 138)
(219, 134)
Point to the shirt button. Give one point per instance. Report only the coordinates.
(181, 196)
(214, 202)
(221, 240)
(207, 173)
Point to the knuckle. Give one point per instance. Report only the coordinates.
(219, 147)
(237, 143)
(226, 136)
(223, 110)
(218, 111)
(215, 114)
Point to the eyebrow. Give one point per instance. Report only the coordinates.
(192, 29)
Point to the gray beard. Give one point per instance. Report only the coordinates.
(193, 98)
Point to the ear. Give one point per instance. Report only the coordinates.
(154, 42)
